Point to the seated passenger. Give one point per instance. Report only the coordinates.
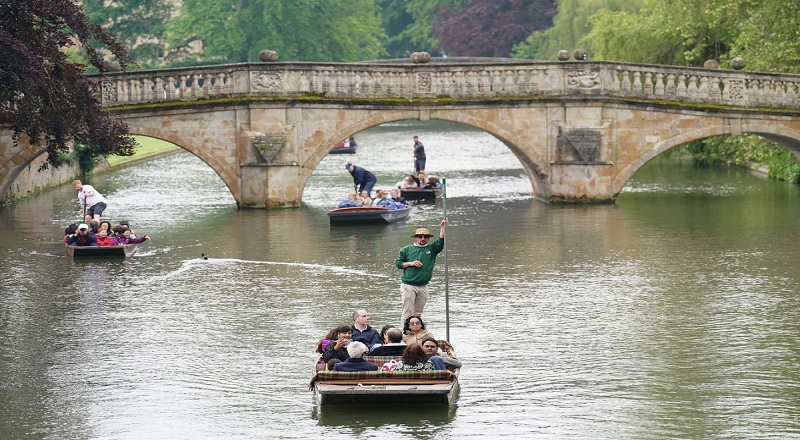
(107, 226)
(82, 237)
(104, 240)
(422, 179)
(414, 330)
(366, 200)
(431, 348)
(399, 201)
(336, 351)
(394, 345)
(351, 202)
(94, 226)
(70, 230)
(124, 236)
(415, 359)
(408, 182)
(433, 183)
(356, 361)
(362, 331)
(382, 199)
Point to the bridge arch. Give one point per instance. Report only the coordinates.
(532, 168)
(778, 134)
(186, 143)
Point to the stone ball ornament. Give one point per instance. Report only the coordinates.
(563, 55)
(268, 56)
(581, 54)
(737, 63)
(711, 64)
(420, 57)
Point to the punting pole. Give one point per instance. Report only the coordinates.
(446, 271)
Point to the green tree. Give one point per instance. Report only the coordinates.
(46, 96)
(570, 25)
(138, 24)
(301, 30)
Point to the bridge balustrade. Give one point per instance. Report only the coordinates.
(466, 81)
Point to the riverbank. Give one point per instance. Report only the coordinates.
(31, 181)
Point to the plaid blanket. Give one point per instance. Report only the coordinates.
(434, 375)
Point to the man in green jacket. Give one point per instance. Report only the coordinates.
(417, 261)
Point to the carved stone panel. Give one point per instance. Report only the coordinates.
(267, 145)
(424, 82)
(579, 145)
(266, 80)
(583, 79)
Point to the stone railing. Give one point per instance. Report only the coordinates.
(581, 79)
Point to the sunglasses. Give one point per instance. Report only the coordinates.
(414, 323)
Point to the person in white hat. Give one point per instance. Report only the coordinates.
(417, 261)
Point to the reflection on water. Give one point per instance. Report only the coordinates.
(671, 314)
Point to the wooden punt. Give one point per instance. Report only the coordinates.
(342, 149)
(421, 194)
(367, 214)
(386, 387)
(123, 251)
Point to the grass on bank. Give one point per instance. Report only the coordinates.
(146, 147)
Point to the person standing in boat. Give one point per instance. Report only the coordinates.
(363, 179)
(419, 155)
(92, 202)
(417, 261)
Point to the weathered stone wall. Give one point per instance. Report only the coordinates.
(31, 181)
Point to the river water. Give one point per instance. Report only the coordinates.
(672, 314)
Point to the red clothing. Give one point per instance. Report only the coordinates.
(107, 241)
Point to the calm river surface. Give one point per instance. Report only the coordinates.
(673, 314)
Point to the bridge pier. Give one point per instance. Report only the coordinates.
(270, 186)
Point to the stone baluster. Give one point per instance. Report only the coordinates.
(713, 89)
(195, 78)
(521, 84)
(702, 88)
(680, 90)
(403, 85)
(625, 84)
(637, 83)
(648, 83)
(484, 84)
(326, 82)
(508, 83)
(470, 83)
(459, 84)
(692, 86)
(669, 87)
(659, 85)
(204, 87)
(790, 97)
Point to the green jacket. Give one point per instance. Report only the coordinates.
(419, 276)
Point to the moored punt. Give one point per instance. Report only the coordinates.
(421, 194)
(367, 214)
(344, 149)
(101, 251)
(385, 387)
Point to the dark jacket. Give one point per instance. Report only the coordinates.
(388, 350)
(355, 364)
(332, 353)
(361, 175)
(82, 240)
(369, 336)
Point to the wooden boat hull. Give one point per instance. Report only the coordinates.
(367, 214)
(122, 251)
(386, 387)
(363, 392)
(343, 150)
(421, 194)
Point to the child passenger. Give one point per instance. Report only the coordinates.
(104, 240)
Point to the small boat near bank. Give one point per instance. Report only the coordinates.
(123, 251)
(367, 214)
(348, 146)
(427, 194)
(386, 387)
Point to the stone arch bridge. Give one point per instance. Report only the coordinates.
(580, 129)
